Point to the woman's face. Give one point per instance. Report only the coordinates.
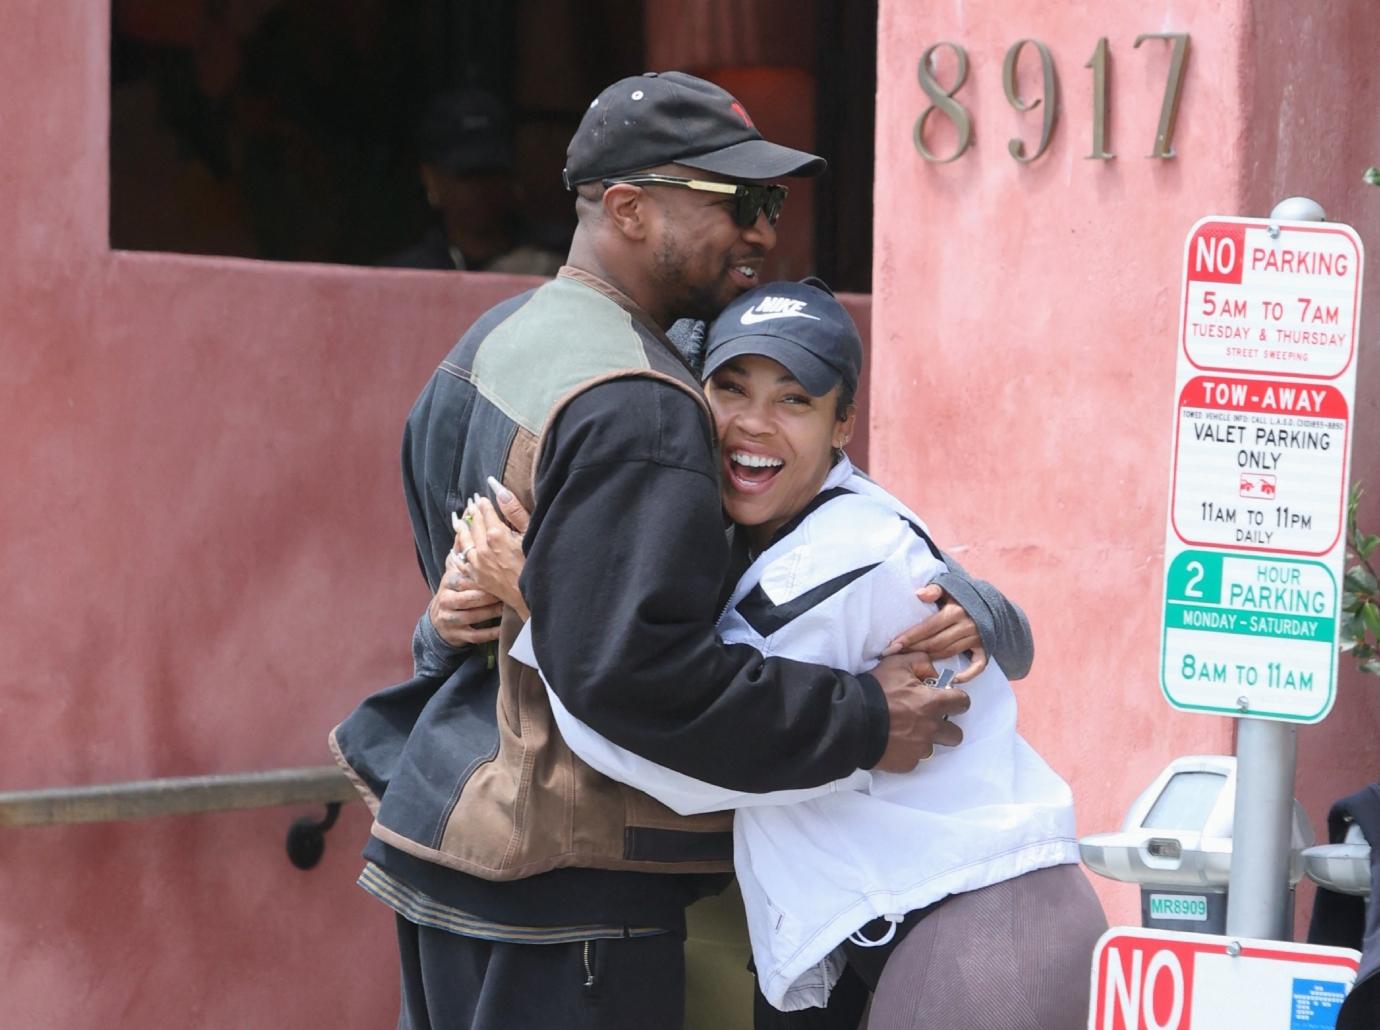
(776, 441)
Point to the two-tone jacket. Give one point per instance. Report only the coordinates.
(834, 586)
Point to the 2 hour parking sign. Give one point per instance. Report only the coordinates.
(1254, 541)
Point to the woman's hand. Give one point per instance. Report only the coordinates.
(947, 632)
(487, 553)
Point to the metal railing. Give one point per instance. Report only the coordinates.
(187, 795)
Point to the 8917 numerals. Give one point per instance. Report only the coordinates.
(943, 102)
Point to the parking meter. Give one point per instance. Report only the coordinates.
(1176, 843)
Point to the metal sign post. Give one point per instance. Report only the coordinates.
(1266, 761)
(1258, 897)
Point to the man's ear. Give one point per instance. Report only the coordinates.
(843, 428)
(628, 209)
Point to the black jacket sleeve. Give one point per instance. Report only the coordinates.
(625, 560)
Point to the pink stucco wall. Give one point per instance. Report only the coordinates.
(206, 562)
(1024, 322)
(206, 558)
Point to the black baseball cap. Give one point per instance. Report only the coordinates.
(464, 131)
(802, 325)
(670, 117)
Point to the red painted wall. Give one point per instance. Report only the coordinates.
(1025, 331)
(207, 561)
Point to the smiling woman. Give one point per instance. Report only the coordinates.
(781, 370)
(777, 441)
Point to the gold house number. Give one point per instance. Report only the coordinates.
(942, 102)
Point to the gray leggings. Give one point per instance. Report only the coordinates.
(1013, 956)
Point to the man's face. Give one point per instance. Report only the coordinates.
(701, 258)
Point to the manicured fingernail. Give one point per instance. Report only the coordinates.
(455, 521)
(503, 494)
(891, 649)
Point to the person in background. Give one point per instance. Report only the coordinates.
(465, 146)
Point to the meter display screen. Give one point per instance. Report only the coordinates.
(1186, 801)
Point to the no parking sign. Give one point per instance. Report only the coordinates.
(1161, 980)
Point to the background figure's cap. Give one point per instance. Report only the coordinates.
(464, 131)
(801, 325)
(661, 118)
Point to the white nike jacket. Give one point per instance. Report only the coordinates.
(815, 865)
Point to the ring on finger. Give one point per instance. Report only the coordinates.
(465, 554)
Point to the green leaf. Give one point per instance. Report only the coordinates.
(1351, 604)
(1361, 651)
(1361, 580)
(1353, 632)
(1368, 546)
(1372, 176)
(1371, 614)
(1372, 666)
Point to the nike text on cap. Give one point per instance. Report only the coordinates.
(801, 325)
(670, 117)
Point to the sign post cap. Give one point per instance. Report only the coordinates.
(1298, 209)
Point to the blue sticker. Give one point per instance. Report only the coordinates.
(1316, 1004)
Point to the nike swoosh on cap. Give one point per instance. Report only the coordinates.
(752, 316)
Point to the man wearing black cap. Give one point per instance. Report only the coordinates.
(531, 891)
(467, 173)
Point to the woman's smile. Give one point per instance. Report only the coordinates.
(751, 471)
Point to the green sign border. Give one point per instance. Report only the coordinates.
(1250, 713)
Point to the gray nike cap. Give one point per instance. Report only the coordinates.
(802, 325)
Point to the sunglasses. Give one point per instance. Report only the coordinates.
(751, 199)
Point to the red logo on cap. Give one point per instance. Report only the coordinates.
(742, 113)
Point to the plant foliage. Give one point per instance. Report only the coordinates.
(1360, 596)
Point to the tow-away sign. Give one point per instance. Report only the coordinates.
(1162, 980)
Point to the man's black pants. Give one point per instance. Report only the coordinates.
(451, 982)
